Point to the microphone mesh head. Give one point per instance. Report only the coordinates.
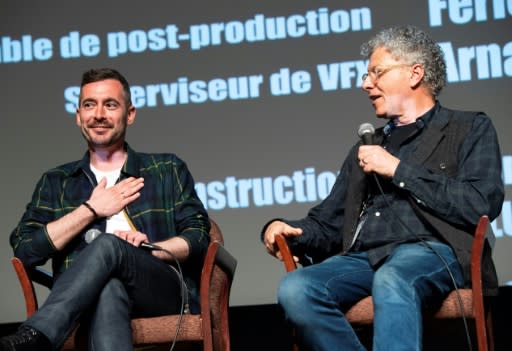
(365, 128)
(91, 234)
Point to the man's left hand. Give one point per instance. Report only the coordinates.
(374, 158)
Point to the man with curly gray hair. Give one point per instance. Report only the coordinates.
(397, 224)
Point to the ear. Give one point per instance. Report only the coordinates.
(417, 74)
(131, 115)
(77, 117)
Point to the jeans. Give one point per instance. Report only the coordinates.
(413, 277)
(110, 282)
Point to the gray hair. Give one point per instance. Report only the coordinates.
(411, 45)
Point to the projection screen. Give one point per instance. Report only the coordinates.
(262, 99)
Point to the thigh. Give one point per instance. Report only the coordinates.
(156, 287)
(431, 269)
(344, 278)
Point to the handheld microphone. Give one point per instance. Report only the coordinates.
(366, 132)
(149, 246)
(93, 233)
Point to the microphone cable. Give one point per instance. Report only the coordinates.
(184, 308)
(93, 233)
(408, 229)
(366, 132)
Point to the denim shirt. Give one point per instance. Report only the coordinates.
(168, 206)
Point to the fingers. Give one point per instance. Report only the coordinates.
(128, 189)
(275, 228)
(109, 201)
(133, 237)
(280, 257)
(374, 158)
(367, 154)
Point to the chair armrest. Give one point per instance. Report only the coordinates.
(479, 310)
(282, 245)
(25, 276)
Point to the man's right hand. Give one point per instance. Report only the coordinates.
(109, 201)
(104, 203)
(278, 227)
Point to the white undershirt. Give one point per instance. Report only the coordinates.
(117, 221)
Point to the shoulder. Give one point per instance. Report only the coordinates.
(156, 161)
(464, 116)
(63, 170)
(463, 121)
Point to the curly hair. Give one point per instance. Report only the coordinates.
(411, 45)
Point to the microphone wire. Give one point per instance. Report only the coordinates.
(408, 229)
(184, 308)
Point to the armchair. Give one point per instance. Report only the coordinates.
(210, 327)
(472, 300)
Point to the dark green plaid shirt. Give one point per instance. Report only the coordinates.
(168, 206)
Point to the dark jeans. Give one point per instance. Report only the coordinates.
(109, 282)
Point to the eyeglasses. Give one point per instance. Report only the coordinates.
(377, 73)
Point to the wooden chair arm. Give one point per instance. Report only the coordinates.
(216, 279)
(479, 310)
(27, 286)
(282, 245)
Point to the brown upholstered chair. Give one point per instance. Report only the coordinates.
(210, 327)
(361, 314)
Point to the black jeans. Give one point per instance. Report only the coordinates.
(109, 282)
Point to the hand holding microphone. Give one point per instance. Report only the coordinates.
(93, 233)
(374, 158)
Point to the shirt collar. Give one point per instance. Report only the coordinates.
(421, 121)
(130, 167)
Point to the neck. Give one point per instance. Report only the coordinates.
(414, 111)
(107, 159)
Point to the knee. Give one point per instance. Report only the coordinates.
(114, 288)
(290, 287)
(388, 278)
(105, 244)
(105, 240)
(113, 296)
(294, 295)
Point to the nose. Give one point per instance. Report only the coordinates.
(367, 83)
(99, 111)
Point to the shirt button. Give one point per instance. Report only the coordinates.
(377, 214)
(401, 184)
